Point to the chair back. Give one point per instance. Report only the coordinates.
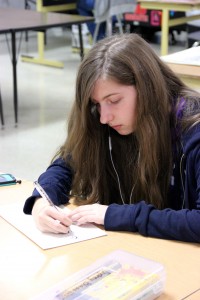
(104, 10)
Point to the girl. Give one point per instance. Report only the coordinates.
(131, 159)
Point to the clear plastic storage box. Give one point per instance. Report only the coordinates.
(120, 275)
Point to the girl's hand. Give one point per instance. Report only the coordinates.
(94, 213)
(48, 219)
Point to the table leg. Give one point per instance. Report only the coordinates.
(80, 41)
(40, 36)
(14, 66)
(41, 59)
(1, 111)
(165, 32)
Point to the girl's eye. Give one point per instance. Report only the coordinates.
(114, 101)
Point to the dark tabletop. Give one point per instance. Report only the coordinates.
(22, 19)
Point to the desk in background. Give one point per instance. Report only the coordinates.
(186, 64)
(16, 20)
(27, 270)
(55, 5)
(46, 7)
(166, 6)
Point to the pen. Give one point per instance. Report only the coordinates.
(43, 194)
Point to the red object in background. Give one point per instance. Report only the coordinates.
(140, 10)
(139, 15)
(145, 16)
(155, 18)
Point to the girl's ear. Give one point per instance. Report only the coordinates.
(94, 110)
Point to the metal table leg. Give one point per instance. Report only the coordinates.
(14, 66)
(80, 41)
(1, 111)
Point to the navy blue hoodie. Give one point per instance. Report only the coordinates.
(181, 221)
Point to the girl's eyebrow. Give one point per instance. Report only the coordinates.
(109, 95)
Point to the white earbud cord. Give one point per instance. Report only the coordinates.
(118, 180)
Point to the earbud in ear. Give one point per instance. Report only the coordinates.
(94, 111)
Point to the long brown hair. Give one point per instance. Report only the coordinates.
(144, 158)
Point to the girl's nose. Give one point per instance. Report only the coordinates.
(105, 115)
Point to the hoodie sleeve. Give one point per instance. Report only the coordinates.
(56, 182)
(180, 225)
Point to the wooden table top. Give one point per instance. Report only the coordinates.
(27, 270)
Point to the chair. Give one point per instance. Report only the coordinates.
(105, 10)
(193, 39)
(1, 111)
(27, 3)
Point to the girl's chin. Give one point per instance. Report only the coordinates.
(124, 131)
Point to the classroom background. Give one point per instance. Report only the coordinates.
(45, 95)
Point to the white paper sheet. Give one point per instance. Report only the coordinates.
(189, 56)
(13, 214)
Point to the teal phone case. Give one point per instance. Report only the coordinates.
(7, 179)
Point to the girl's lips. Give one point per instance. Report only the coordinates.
(116, 127)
